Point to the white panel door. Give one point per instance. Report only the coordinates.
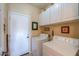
(19, 30)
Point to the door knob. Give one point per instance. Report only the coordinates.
(27, 36)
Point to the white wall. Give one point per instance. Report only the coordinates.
(25, 9)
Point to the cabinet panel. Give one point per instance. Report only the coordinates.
(59, 16)
(60, 12)
(55, 13)
(41, 19)
(44, 17)
(69, 11)
(47, 17)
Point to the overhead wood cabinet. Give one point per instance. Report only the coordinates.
(60, 12)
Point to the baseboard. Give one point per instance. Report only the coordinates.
(24, 54)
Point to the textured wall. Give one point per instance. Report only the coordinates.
(74, 29)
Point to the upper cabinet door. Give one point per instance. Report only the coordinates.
(47, 17)
(69, 11)
(41, 18)
(44, 17)
(60, 12)
(52, 14)
(55, 13)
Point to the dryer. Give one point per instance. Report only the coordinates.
(37, 42)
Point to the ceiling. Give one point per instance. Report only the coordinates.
(41, 5)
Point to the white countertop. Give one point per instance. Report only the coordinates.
(63, 49)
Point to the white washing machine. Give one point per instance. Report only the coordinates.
(37, 42)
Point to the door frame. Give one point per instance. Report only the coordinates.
(2, 28)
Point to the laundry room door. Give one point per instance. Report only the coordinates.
(19, 33)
